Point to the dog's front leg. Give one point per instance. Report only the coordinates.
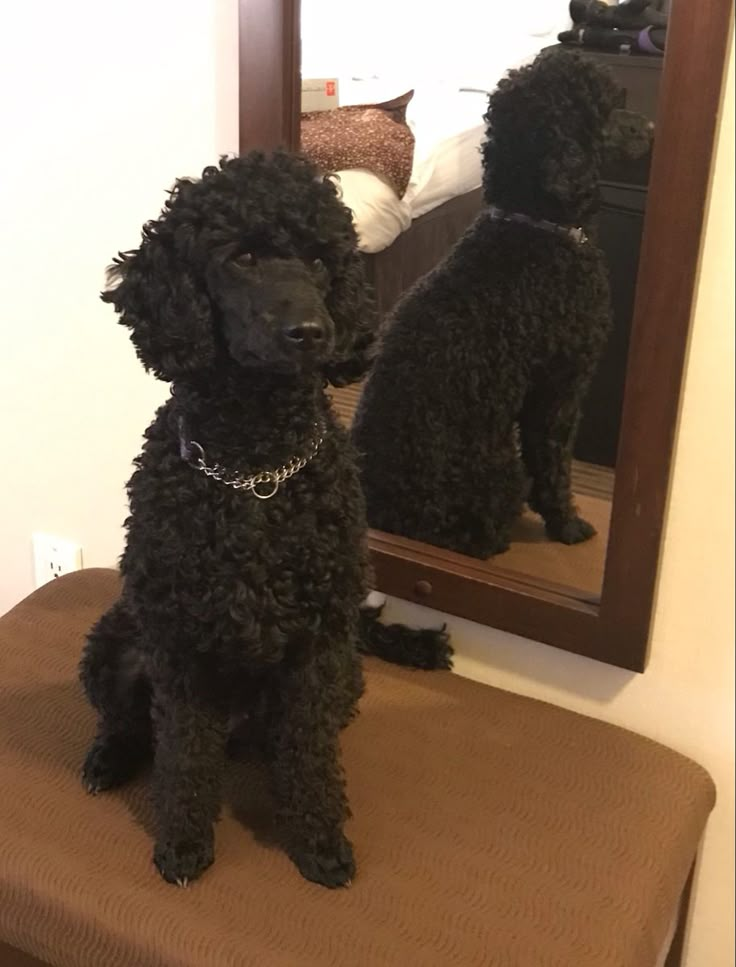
(548, 426)
(308, 780)
(187, 783)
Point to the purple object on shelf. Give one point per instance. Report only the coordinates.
(645, 43)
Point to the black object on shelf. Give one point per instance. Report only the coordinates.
(649, 40)
(627, 15)
(632, 26)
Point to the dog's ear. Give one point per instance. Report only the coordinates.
(352, 307)
(167, 311)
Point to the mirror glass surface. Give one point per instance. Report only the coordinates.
(470, 430)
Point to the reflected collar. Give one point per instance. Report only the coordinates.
(576, 234)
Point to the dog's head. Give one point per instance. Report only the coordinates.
(255, 263)
(551, 127)
(272, 311)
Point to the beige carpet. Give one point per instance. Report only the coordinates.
(577, 569)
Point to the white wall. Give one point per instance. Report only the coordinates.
(108, 102)
(103, 105)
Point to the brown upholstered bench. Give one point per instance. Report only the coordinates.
(490, 829)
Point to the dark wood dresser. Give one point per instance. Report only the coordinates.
(620, 225)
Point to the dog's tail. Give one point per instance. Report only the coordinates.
(427, 648)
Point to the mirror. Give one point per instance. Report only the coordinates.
(426, 77)
(446, 451)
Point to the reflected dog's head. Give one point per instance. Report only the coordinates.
(551, 126)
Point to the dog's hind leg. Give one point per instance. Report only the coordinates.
(112, 674)
(548, 424)
(479, 496)
(499, 502)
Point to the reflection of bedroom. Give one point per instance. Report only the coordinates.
(450, 58)
(375, 54)
(411, 85)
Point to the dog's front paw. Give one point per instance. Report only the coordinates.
(574, 530)
(180, 863)
(331, 864)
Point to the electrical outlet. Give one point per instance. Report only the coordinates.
(54, 556)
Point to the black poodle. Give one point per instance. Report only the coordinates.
(486, 360)
(246, 562)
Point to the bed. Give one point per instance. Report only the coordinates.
(403, 238)
(404, 233)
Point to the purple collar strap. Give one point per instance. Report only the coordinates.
(577, 235)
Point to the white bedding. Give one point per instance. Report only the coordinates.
(448, 130)
(448, 127)
(379, 215)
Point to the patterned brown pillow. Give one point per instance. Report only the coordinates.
(372, 136)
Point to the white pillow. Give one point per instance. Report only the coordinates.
(379, 215)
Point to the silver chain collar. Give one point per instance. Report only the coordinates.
(254, 483)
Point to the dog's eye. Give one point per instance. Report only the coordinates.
(318, 265)
(245, 260)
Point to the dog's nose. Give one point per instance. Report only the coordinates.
(306, 335)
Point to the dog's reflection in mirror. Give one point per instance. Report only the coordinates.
(503, 336)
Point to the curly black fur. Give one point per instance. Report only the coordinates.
(248, 292)
(416, 648)
(486, 361)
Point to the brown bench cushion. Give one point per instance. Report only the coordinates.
(490, 829)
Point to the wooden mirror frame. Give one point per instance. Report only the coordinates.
(616, 627)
